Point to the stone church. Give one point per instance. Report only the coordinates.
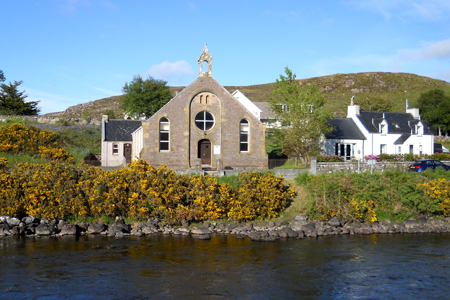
(203, 126)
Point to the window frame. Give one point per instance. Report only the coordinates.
(204, 120)
(244, 133)
(115, 149)
(164, 121)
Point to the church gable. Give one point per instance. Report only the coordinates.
(204, 124)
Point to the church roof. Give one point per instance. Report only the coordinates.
(120, 130)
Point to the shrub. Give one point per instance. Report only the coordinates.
(330, 158)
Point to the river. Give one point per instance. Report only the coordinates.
(182, 267)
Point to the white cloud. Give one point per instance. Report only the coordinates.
(104, 91)
(437, 50)
(429, 10)
(178, 72)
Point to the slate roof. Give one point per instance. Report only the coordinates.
(266, 112)
(397, 122)
(120, 130)
(345, 128)
(402, 139)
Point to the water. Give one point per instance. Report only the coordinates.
(182, 267)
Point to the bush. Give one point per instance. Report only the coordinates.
(59, 190)
(330, 158)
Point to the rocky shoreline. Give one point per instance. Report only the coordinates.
(299, 228)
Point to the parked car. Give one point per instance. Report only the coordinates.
(424, 164)
(445, 151)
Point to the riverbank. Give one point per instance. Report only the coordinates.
(298, 228)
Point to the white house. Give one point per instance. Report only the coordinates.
(247, 103)
(384, 132)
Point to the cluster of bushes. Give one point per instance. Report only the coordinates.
(22, 139)
(408, 157)
(58, 191)
(330, 158)
(394, 195)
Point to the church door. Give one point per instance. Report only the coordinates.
(127, 152)
(204, 151)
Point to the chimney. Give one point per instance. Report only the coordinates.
(105, 118)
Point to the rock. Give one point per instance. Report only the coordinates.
(2, 219)
(240, 236)
(301, 226)
(271, 224)
(117, 228)
(149, 230)
(206, 224)
(184, 230)
(96, 228)
(137, 231)
(300, 234)
(45, 221)
(290, 233)
(177, 232)
(204, 237)
(153, 220)
(301, 218)
(421, 219)
(12, 221)
(69, 229)
(16, 230)
(334, 221)
(200, 230)
(61, 224)
(29, 220)
(120, 220)
(44, 229)
(274, 234)
(257, 236)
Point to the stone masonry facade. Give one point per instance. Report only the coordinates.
(204, 94)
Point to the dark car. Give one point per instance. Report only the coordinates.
(445, 151)
(424, 164)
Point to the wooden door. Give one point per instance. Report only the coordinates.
(127, 152)
(204, 151)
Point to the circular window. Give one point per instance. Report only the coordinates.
(204, 120)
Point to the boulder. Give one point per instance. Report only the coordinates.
(44, 229)
(12, 221)
(137, 231)
(118, 229)
(69, 229)
(421, 219)
(96, 228)
(302, 226)
(61, 224)
(30, 220)
(149, 230)
(290, 233)
(200, 230)
(334, 221)
(153, 221)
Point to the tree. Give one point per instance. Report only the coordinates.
(144, 97)
(2, 76)
(434, 107)
(12, 102)
(300, 109)
(376, 103)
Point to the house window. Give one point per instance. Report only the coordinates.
(399, 150)
(383, 148)
(420, 149)
(204, 120)
(383, 129)
(164, 134)
(115, 148)
(419, 130)
(411, 149)
(244, 135)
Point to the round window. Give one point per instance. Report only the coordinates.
(204, 120)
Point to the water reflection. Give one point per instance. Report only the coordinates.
(173, 267)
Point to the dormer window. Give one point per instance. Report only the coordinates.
(383, 129)
(419, 130)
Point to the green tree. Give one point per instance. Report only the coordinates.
(144, 97)
(2, 76)
(434, 107)
(12, 102)
(376, 103)
(300, 109)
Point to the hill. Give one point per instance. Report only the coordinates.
(338, 89)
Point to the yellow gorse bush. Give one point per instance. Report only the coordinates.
(59, 190)
(363, 211)
(438, 191)
(18, 138)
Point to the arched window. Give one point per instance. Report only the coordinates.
(164, 134)
(201, 98)
(244, 128)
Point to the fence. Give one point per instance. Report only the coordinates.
(277, 162)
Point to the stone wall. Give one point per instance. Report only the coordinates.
(329, 167)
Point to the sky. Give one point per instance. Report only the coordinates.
(68, 52)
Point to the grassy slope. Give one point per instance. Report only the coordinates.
(338, 89)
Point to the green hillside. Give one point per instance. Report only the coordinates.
(338, 89)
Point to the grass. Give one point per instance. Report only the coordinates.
(22, 158)
(291, 165)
